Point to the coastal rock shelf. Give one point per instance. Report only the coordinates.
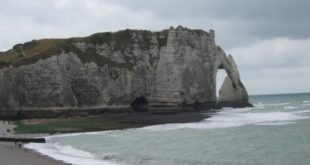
(175, 69)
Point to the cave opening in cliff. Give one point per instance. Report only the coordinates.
(139, 104)
(221, 74)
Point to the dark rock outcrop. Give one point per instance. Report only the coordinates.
(174, 68)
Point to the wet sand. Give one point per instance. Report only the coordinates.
(13, 155)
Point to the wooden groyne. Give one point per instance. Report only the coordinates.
(23, 140)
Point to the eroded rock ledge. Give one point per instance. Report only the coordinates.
(173, 69)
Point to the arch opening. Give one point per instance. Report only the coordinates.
(220, 77)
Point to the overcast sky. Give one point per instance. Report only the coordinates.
(269, 39)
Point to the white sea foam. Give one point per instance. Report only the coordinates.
(278, 104)
(306, 101)
(301, 112)
(68, 154)
(259, 104)
(83, 133)
(226, 119)
(239, 110)
(276, 123)
(290, 107)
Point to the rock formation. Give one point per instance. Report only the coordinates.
(174, 68)
(233, 92)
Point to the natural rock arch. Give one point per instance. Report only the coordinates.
(232, 92)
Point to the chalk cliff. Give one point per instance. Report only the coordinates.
(173, 68)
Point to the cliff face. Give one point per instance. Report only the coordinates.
(171, 68)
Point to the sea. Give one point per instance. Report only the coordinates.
(276, 131)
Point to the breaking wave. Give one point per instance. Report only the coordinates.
(276, 123)
(290, 107)
(69, 154)
(235, 118)
(278, 104)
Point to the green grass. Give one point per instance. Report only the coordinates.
(65, 125)
(27, 128)
(4, 64)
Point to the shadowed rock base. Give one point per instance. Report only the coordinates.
(56, 113)
(235, 104)
(206, 106)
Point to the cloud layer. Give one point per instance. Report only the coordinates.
(277, 65)
(268, 38)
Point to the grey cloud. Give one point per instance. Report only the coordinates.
(241, 21)
(273, 53)
(275, 66)
(236, 22)
(277, 80)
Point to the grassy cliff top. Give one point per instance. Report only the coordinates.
(31, 52)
